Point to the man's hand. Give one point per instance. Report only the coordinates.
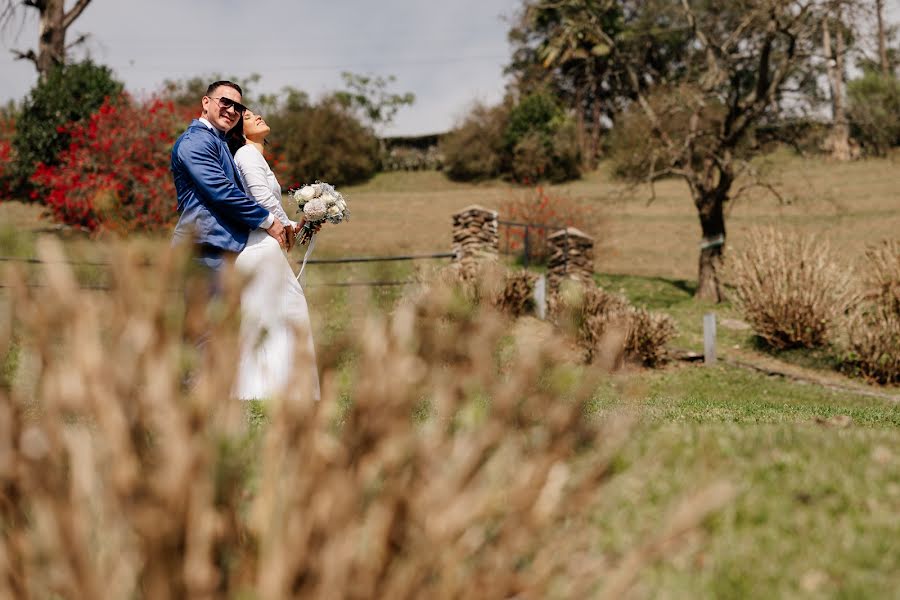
(278, 232)
(290, 235)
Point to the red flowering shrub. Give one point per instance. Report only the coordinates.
(7, 132)
(115, 173)
(547, 214)
(5, 159)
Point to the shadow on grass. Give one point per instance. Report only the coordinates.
(824, 359)
(651, 292)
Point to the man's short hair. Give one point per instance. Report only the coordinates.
(217, 84)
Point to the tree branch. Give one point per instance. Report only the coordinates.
(757, 180)
(30, 55)
(82, 37)
(648, 110)
(73, 14)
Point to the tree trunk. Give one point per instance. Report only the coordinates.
(595, 131)
(52, 37)
(595, 119)
(53, 23)
(580, 127)
(882, 39)
(838, 142)
(711, 209)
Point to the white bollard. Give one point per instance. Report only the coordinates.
(540, 297)
(709, 338)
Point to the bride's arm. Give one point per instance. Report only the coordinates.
(253, 169)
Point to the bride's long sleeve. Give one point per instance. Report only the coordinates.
(254, 170)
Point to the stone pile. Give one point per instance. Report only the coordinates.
(475, 235)
(571, 257)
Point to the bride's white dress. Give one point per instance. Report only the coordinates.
(276, 336)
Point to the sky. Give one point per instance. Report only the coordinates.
(449, 53)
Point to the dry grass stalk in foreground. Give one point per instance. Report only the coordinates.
(122, 484)
(790, 288)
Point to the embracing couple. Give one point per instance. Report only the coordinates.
(229, 206)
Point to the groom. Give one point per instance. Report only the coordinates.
(214, 208)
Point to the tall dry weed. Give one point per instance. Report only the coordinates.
(790, 288)
(451, 472)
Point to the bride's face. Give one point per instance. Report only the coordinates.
(255, 127)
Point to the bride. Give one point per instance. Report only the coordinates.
(276, 337)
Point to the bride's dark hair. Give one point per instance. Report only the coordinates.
(235, 137)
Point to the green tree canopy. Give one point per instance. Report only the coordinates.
(68, 93)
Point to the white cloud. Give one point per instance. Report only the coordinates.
(448, 53)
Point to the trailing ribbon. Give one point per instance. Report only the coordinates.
(309, 249)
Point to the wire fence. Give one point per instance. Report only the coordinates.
(531, 249)
(319, 261)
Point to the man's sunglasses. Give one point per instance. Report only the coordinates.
(227, 103)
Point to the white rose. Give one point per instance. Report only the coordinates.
(341, 204)
(315, 210)
(307, 192)
(333, 211)
(330, 198)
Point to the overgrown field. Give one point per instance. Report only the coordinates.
(811, 474)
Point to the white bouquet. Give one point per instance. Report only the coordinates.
(318, 202)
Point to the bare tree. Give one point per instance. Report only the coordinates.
(741, 61)
(839, 139)
(54, 23)
(882, 38)
(685, 82)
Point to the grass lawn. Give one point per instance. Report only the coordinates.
(817, 470)
(818, 508)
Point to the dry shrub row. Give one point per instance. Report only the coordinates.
(446, 475)
(516, 299)
(790, 288)
(795, 294)
(882, 275)
(608, 327)
(648, 336)
(873, 346)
